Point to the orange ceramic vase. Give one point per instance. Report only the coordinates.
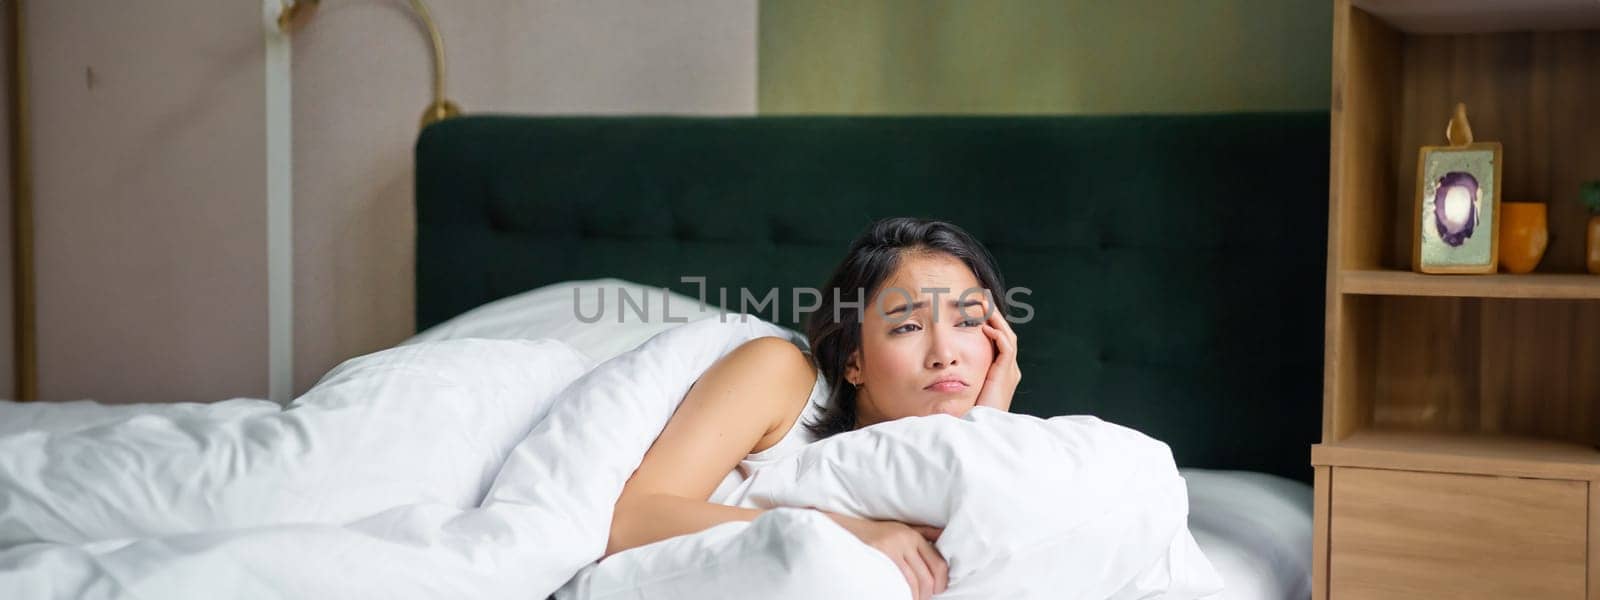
(1594, 244)
(1524, 235)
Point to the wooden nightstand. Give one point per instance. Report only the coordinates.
(1461, 412)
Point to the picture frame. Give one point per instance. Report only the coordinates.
(1457, 210)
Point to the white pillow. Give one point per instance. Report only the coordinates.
(553, 312)
(785, 554)
(1069, 507)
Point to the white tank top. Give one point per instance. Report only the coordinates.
(797, 438)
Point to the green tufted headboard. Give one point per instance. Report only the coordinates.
(1177, 262)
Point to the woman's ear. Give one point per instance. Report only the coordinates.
(852, 369)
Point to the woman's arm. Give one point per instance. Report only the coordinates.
(742, 399)
(644, 518)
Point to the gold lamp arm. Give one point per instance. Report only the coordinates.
(293, 14)
(296, 12)
(441, 108)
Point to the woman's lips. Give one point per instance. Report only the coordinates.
(946, 386)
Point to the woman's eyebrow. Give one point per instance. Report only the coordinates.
(954, 303)
(904, 307)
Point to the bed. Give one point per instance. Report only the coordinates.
(1156, 447)
(1176, 263)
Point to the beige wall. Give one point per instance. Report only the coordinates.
(150, 174)
(361, 77)
(149, 195)
(1044, 56)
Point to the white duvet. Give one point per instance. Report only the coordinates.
(489, 468)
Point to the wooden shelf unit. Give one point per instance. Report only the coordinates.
(1458, 386)
(1469, 453)
(1550, 286)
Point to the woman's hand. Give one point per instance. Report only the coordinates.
(909, 546)
(1004, 374)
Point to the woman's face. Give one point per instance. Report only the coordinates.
(920, 359)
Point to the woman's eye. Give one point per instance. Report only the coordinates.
(971, 323)
(907, 328)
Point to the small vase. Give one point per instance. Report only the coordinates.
(1524, 235)
(1594, 244)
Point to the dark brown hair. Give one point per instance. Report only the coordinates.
(872, 258)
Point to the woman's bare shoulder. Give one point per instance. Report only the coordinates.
(733, 408)
(787, 375)
(773, 362)
(774, 352)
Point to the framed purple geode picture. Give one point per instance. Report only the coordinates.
(1458, 209)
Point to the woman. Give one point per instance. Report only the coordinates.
(895, 335)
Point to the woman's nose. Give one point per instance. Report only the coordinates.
(941, 353)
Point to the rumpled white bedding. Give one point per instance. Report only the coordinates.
(417, 424)
(373, 485)
(1061, 508)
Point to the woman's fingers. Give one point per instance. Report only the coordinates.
(937, 565)
(911, 577)
(923, 587)
(999, 322)
(1004, 342)
(928, 533)
(996, 320)
(1005, 348)
(1001, 381)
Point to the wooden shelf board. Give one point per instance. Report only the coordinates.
(1483, 16)
(1533, 285)
(1474, 453)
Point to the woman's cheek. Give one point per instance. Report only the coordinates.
(983, 352)
(901, 362)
